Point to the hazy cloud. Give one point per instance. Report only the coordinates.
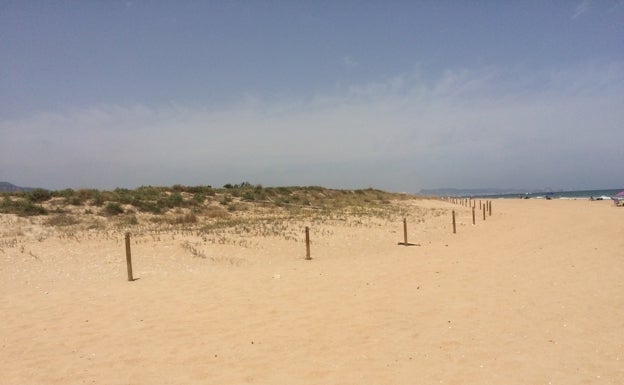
(402, 133)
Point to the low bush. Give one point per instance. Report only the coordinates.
(38, 195)
(113, 208)
(21, 207)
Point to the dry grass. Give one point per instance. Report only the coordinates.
(229, 216)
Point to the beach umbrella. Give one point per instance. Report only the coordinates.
(620, 194)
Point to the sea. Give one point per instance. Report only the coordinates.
(581, 194)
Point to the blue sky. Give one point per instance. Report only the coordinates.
(394, 95)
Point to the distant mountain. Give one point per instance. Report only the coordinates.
(10, 187)
(469, 192)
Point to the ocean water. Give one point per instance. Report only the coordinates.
(583, 194)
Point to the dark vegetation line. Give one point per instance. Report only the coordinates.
(159, 200)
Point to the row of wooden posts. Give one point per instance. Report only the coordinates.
(485, 207)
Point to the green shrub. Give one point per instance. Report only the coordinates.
(199, 198)
(39, 195)
(66, 193)
(21, 207)
(74, 201)
(148, 193)
(84, 195)
(226, 199)
(113, 208)
(284, 190)
(175, 200)
(123, 196)
(150, 207)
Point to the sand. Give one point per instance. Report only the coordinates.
(532, 295)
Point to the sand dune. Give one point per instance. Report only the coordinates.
(532, 295)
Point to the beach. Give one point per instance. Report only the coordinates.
(532, 295)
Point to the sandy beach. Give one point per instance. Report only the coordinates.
(532, 295)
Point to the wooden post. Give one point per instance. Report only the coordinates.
(473, 215)
(405, 231)
(483, 212)
(479, 204)
(129, 257)
(454, 230)
(307, 235)
(490, 208)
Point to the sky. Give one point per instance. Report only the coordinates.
(396, 95)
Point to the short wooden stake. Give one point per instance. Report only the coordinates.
(405, 231)
(473, 215)
(307, 235)
(483, 212)
(129, 258)
(454, 230)
(490, 208)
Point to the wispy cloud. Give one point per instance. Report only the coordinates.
(465, 128)
(580, 9)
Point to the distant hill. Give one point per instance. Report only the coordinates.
(469, 192)
(10, 187)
